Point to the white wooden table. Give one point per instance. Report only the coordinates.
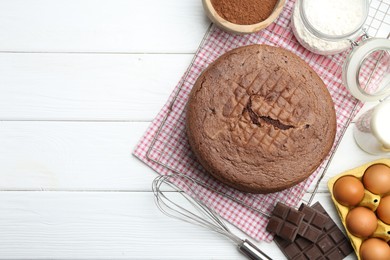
(79, 83)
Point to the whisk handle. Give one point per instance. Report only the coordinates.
(251, 251)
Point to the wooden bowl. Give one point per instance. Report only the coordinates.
(238, 28)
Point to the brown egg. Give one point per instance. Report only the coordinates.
(383, 210)
(361, 222)
(374, 249)
(348, 190)
(377, 179)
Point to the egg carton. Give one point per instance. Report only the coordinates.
(370, 200)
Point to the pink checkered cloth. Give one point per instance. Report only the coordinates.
(168, 151)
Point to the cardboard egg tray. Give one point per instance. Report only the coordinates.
(370, 201)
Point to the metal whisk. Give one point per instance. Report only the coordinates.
(200, 214)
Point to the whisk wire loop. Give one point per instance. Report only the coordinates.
(166, 192)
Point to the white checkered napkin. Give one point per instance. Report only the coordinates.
(169, 151)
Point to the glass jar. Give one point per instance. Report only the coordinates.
(366, 70)
(366, 74)
(328, 27)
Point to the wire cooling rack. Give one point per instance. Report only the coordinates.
(169, 147)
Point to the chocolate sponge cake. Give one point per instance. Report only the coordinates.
(260, 119)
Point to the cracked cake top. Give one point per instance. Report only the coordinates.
(260, 119)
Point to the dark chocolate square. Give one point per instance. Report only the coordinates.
(294, 217)
(328, 226)
(285, 222)
(281, 242)
(346, 247)
(302, 243)
(308, 213)
(337, 235)
(319, 221)
(335, 255)
(292, 250)
(280, 210)
(302, 229)
(313, 223)
(325, 244)
(274, 225)
(300, 257)
(288, 232)
(313, 253)
(317, 206)
(312, 233)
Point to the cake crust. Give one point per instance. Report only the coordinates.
(259, 119)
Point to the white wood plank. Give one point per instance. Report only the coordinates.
(93, 225)
(72, 156)
(87, 86)
(63, 225)
(97, 156)
(150, 26)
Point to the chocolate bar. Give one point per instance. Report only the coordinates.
(285, 222)
(331, 244)
(313, 223)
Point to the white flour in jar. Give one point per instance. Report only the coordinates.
(332, 17)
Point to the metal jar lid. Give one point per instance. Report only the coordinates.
(366, 71)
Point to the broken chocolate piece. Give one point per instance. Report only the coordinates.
(313, 223)
(285, 222)
(331, 244)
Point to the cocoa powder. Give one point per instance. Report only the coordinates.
(244, 12)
